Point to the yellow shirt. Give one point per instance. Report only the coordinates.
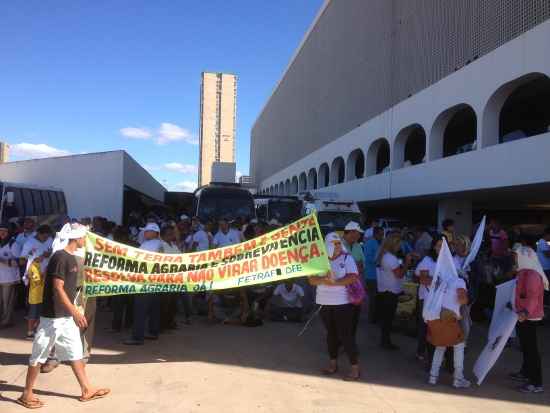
(36, 282)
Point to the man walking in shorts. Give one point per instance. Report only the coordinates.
(61, 321)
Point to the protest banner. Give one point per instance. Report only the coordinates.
(296, 250)
(502, 325)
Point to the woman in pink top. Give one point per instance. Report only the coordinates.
(528, 303)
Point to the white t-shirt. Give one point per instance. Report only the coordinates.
(450, 296)
(9, 275)
(387, 281)
(22, 238)
(542, 247)
(337, 294)
(223, 240)
(168, 248)
(153, 245)
(427, 264)
(290, 298)
(201, 238)
(34, 246)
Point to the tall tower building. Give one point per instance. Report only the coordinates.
(218, 122)
(4, 151)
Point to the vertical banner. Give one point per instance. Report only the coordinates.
(296, 250)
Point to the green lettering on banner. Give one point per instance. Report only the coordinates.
(296, 250)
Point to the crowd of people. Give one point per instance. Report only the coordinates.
(41, 270)
(387, 259)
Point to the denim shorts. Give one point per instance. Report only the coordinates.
(34, 311)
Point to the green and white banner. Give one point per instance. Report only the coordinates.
(296, 250)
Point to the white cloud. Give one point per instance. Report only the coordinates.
(151, 168)
(169, 132)
(26, 150)
(135, 133)
(181, 168)
(186, 186)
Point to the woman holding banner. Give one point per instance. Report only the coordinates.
(336, 308)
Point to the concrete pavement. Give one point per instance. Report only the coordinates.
(205, 368)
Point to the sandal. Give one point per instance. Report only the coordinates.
(30, 404)
(349, 377)
(98, 394)
(327, 371)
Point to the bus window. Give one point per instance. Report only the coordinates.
(53, 201)
(61, 202)
(27, 200)
(18, 206)
(38, 203)
(48, 210)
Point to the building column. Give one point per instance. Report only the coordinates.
(460, 211)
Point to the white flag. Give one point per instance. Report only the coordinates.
(444, 276)
(502, 325)
(476, 244)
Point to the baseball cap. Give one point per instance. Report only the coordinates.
(151, 226)
(353, 226)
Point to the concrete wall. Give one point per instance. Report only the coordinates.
(92, 182)
(483, 85)
(362, 57)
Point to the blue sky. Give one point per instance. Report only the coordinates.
(77, 76)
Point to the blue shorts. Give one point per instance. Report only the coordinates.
(34, 311)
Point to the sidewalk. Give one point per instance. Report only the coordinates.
(204, 368)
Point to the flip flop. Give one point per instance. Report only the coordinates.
(30, 404)
(352, 378)
(99, 394)
(328, 371)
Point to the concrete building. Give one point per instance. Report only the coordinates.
(407, 106)
(217, 122)
(4, 152)
(109, 184)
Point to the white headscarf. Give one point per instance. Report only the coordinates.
(68, 232)
(528, 260)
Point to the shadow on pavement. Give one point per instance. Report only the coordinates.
(276, 347)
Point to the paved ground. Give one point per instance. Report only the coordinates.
(204, 368)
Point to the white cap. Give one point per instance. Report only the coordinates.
(353, 226)
(184, 218)
(273, 222)
(253, 221)
(151, 226)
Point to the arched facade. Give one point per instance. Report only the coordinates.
(302, 182)
(378, 157)
(409, 147)
(294, 186)
(287, 187)
(312, 179)
(355, 165)
(337, 171)
(500, 124)
(324, 176)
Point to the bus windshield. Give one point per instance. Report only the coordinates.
(336, 220)
(285, 211)
(218, 203)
